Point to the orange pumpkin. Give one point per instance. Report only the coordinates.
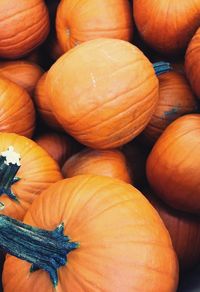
(23, 26)
(103, 92)
(192, 62)
(36, 172)
(24, 73)
(175, 99)
(80, 21)
(17, 112)
(56, 144)
(173, 165)
(184, 230)
(166, 25)
(123, 244)
(110, 163)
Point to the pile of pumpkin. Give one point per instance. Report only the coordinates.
(99, 144)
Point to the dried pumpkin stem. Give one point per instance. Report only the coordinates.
(46, 250)
(162, 67)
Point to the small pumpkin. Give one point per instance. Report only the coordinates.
(192, 62)
(24, 73)
(166, 25)
(117, 241)
(17, 110)
(24, 25)
(173, 164)
(110, 163)
(79, 21)
(25, 170)
(175, 99)
(103, 92)
(56, 144)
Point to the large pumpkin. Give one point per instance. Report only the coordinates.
(17, 112)
(35, 169)
(80, 21)
(166, 25)
(103, 92)
(23, 26)
(192, 62)
(110, 163)
(123, 244)
(173, 165)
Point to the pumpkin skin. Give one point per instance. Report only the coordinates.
(24, 73)
(17, 110)
(116, 95)
(165, 25)
(56, 144)
(24, 25)
(37, 172)
(173, 164)
(192, 63)
(184, 230)
(81, 21)
(138, 252)
(175, 99)
(110, 163)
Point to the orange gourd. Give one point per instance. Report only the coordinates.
(24, 73)
(80, 21)
(173, 164)
(123, 244)
(36, 172)
(56, 144)
(24, 25)
(192, 62)
(103, 92)
(17, 112)
(166, 25)
(110, 163)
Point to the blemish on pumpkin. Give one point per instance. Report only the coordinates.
(171, 112)
(2, 206)
(94, 83)
(68, 32)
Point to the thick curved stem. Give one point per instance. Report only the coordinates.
(162, 67)
(46, 250)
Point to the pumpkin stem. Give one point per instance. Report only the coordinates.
(9, 166)
(162, 67)
(46, 250)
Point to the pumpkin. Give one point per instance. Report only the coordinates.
(103, 92)
(25, 170)
(117, 241)
(167, 26)
(184, 230)
(175, 99)
(110, 163)
(43, 104)
(173, 164)
(24, 73)
(192, 62)
(80, 21)
(24, 25)
(56, 144)
(17, 110)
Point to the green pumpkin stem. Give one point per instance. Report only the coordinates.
(162, 67)
(46, 250)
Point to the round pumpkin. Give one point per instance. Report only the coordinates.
(166, 25)
(17, 111)
(175, 99)
(173, 164)
(56, 144)
(24, 73)
(80, 21)
(192, 62)
(24, 25)
(36, 171)
(110, 163)
(123, 244)
(184, 230)
(103, 92)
